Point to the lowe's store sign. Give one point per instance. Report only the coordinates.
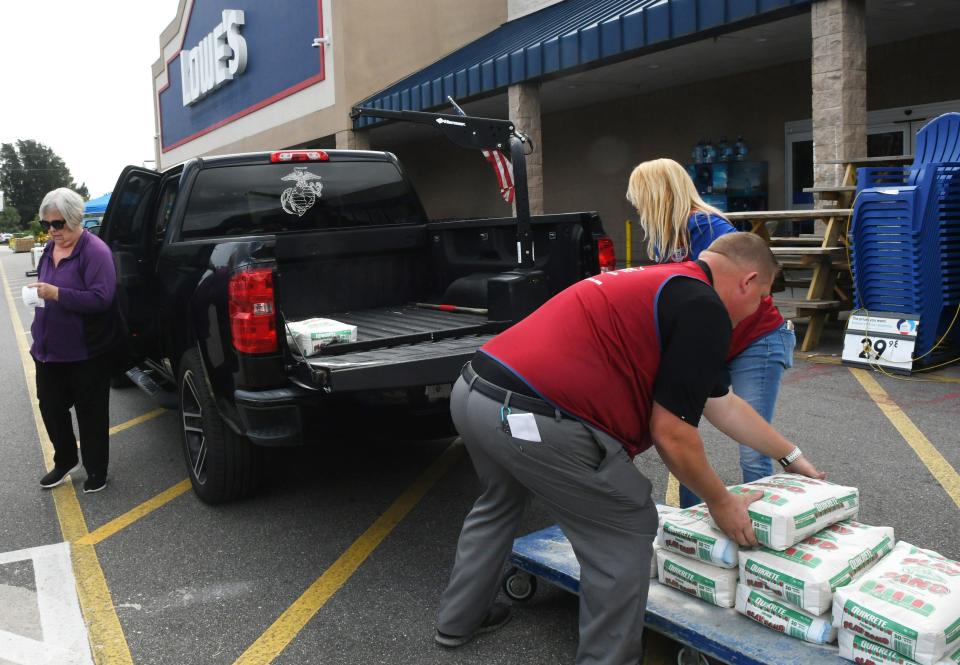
(234, 58)
(220, 55)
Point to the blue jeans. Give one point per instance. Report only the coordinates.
(755, 376)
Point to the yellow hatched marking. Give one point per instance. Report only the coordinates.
(107, 642)
(673, 491)
(276, 638)
(938, 466)
(131, 516)
(150, 415)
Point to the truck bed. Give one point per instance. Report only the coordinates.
(398, 347)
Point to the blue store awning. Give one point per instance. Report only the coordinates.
(567, 36)
(97, 206)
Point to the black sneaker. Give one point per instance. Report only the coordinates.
(497, 617)
(94, 484)
(57, 476)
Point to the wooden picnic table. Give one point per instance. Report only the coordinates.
(759, 218)
(824, 190)
(826, 257)
(841, 196)
(843, 193)
(870, 161)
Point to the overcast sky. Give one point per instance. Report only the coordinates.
(75, 76)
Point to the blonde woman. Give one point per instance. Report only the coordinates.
(679, 225)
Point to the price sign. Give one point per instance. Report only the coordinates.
(881, 338)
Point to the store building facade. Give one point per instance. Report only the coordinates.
(600, 85)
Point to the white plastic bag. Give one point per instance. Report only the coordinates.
(861, 650)
(807, 574)
(794, 506)
(710, 583)
(692, 533)
(311, 335)
(778, 616)
(663, 511)
(909, 602)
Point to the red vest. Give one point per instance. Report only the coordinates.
(765, 320)
(593, 350)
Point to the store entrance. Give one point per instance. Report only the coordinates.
(890, 132)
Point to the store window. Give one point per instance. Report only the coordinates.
(801, 172)
(890, 132)
(884, 144)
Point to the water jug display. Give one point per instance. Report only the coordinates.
(697, 153)
(740, 149)
(709, 153)
(724, 150)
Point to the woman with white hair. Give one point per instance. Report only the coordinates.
(75, 336)
(679, 225)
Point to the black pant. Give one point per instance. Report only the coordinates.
(84, 385)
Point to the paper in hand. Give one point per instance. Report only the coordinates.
(30, 297)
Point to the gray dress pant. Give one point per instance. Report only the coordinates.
(599, 499)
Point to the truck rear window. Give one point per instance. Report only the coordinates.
(275, 198)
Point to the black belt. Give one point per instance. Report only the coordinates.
(495, 392)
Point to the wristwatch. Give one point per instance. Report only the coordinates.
(791, 458)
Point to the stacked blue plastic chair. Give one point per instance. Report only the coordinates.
(905, 237)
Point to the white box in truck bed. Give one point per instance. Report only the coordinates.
(398, 347)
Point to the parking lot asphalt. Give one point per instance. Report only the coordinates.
(342, 556)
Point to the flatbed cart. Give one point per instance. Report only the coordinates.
(722, 634)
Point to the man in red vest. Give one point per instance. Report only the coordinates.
(558, 405)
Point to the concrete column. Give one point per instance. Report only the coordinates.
(839, 86)
(524, 100)
(350, 139)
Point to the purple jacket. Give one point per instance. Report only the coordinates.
(85, 321)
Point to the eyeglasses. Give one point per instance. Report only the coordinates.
(57, 224)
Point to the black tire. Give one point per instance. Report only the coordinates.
(519, 586)
(223, 465)
(433, 426)
(120, 381)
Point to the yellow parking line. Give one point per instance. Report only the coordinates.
(107, 642)
(673, 491)
(276, 638)
(131, 516)
(921, 377)
(136, 421)
(945, 474)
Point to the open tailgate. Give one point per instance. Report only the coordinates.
(399, 347)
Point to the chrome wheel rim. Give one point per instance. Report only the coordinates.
(194, 437)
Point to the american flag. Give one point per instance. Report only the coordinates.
(504, 172)
(501, 165)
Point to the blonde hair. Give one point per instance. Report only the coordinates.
(665, 197)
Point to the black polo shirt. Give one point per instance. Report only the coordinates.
(695, 334)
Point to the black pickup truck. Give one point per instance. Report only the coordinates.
(217, 256)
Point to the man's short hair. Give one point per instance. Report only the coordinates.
(747, 250)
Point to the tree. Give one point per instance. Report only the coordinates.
(9, 220)
(28, 170)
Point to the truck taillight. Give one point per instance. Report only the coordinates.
(299, 156)
(252, 320)
(606, 254)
